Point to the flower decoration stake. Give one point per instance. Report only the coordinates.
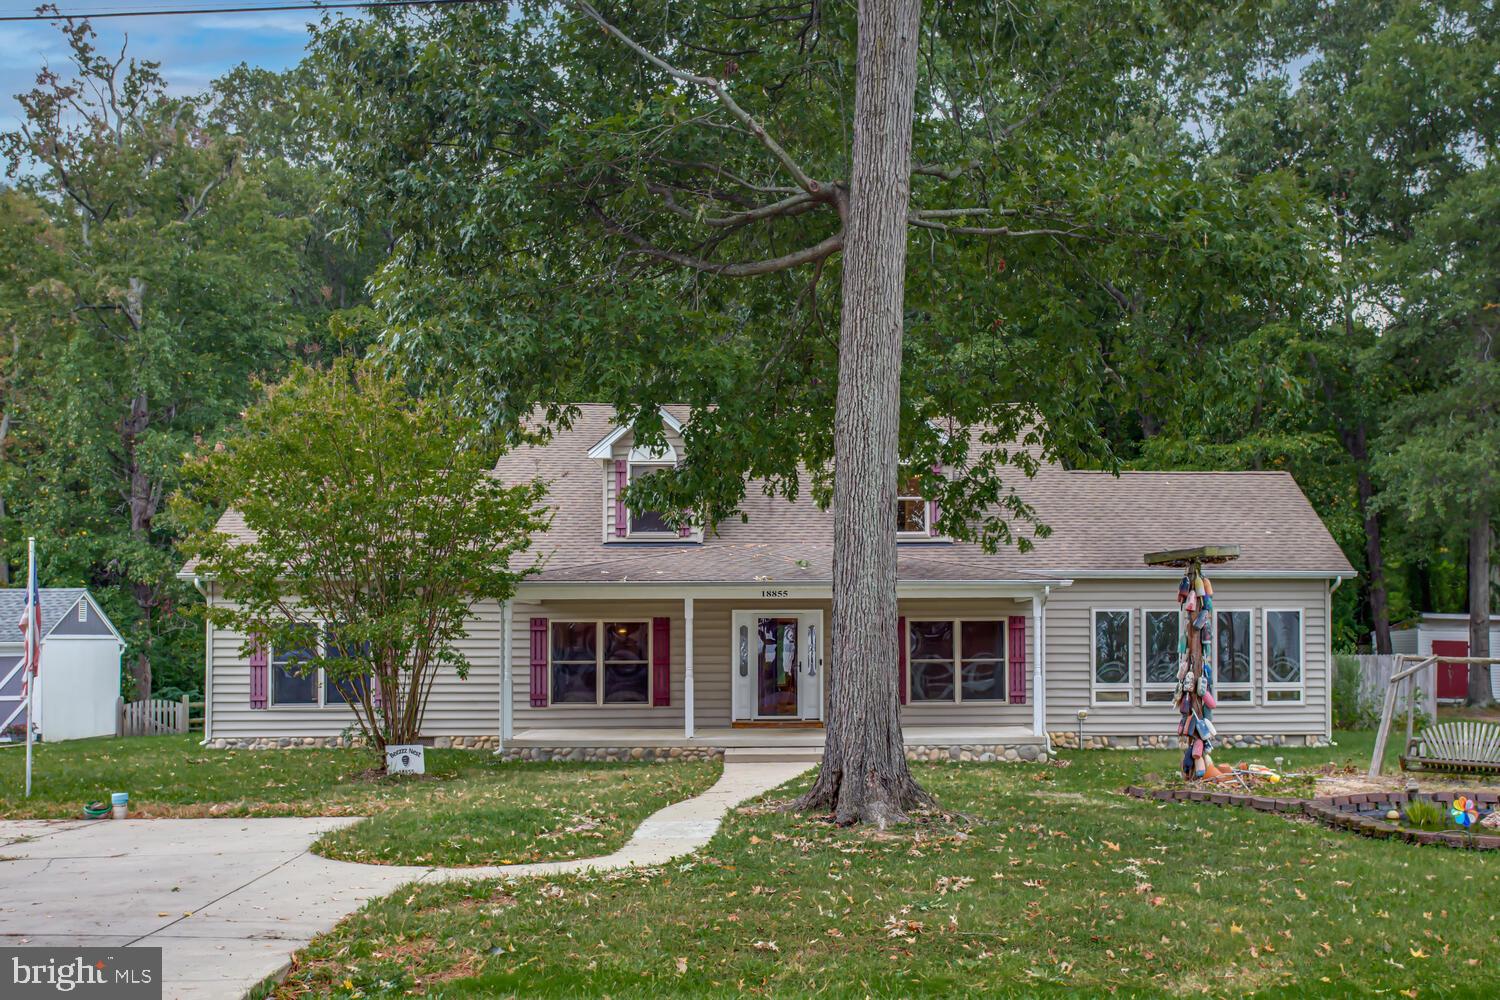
(1465, 811)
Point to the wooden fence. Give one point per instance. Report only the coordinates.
(153, 717)
(1374, 676)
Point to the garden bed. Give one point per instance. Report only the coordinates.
(1362, 812)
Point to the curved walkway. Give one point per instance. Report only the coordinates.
(229, 900)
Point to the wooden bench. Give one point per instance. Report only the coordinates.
(1454, 746)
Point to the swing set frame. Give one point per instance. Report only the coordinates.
(1388, 709)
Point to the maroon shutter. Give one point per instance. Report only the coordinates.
(901, 658)
(621, 475)
(661, 662)
(259, 673)
(932, 507)
(538, 663)
(1017, 649)
(375, 691)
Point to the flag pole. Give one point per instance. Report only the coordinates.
(30, 681)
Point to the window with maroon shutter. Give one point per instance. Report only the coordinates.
(622, 473)
(538, 663)
(901, 658)
(661, 662)
(259, 673)
(1017, 649)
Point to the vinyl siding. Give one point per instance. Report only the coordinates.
(1068, 661)
(712, 662)
(456, 707)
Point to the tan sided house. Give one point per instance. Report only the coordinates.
(638, 641)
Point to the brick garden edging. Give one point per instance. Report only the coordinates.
(1362, 812)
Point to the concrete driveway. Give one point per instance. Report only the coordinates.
(226, 900)
(229, 900)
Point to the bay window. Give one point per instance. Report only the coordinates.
(1233, 656)
(1163, 638)
(1111, 675)
(1283, 631)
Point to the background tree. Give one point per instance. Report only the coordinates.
(159, 253)
(580, 198)
(375, 518)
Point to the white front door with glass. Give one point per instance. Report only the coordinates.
(776, 658)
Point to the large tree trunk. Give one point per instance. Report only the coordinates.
(1479, 606)
(864, 777)
(1356, 443)
(143, 497)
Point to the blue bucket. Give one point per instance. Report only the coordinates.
(120, 801)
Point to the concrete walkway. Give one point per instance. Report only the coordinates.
(229, 900)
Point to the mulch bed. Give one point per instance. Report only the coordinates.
(1361, 813)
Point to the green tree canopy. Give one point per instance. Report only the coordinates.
(376, 519)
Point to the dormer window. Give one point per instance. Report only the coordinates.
(648, 522)
(911, 510)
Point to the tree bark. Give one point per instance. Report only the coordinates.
(144, 497)
(1377, 596)
(864, 775)
(1480, 540)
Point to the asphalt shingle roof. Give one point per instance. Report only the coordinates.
(1100, 523)
(56, 602)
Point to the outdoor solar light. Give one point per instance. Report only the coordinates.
(1083, 713)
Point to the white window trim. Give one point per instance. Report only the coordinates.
(322, 704)
(1219, 686)
(958, 660)
(1301, 686)
(599, 701)
(1146, 684)
(925, 531)
(630, 532)
(1094, 686)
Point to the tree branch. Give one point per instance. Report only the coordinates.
(795, 205)
(791, 166)
(744, 269)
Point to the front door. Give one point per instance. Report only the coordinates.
(777, 662)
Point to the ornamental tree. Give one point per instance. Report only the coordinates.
(376, 524)
(859, 241)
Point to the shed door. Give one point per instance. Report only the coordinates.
(1452, 678)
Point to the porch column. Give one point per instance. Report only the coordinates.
(507, 715)
(687, 668)
(1038, 654)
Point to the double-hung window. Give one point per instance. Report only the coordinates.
(911, 510)
(1234, 656)
(1111, 673)
(318, 688)
(956, 660)
(648, 522)
(1163, 631)
(601, 663)
(1284, 660)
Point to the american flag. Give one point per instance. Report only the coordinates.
(31, 633)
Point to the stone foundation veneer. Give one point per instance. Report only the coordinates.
(986, 752)
(1064, 740)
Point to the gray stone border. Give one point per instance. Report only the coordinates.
(1064, 739)
(976, 752)
(1361, 812)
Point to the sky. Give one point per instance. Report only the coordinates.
(193, 49)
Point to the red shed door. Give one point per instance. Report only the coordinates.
(1453, 678)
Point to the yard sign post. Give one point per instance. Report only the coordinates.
(1195, 677)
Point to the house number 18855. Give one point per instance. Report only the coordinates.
(774, 593)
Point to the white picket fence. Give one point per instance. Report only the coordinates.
(152, 718)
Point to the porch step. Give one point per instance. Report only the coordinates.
(773, 755)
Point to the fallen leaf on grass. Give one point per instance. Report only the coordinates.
(765, 946)
(681, 965)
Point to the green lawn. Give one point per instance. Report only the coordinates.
(1056, 885)
(470, 809)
